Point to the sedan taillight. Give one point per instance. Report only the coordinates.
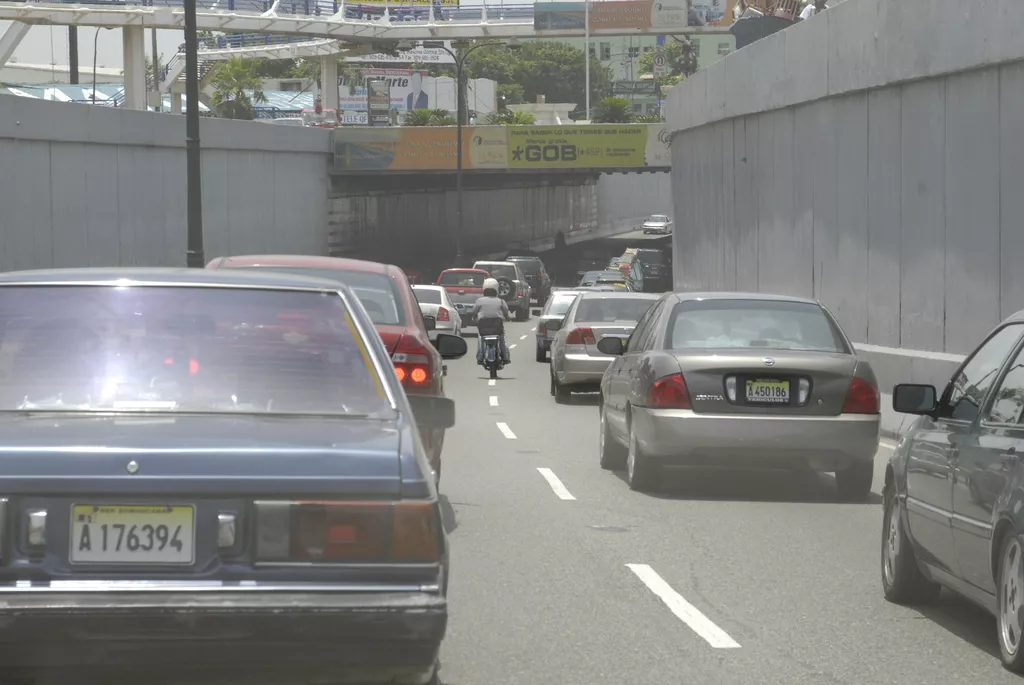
(442, 314)
(669, 392)
(356, 532)
(861, 398)
(412, 363)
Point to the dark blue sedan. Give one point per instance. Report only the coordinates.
(213, 469)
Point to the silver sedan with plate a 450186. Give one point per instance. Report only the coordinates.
(551, 319)
(212, 471)
(739, 381)
(577, 365)
(435, 304)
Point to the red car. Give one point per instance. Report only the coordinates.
(387, 297)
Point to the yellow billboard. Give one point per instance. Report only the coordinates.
(574, 147)
(522, 148)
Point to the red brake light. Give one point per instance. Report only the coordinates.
(412, 362)
(442, 314)
(861, 398)
(353, 532)
(669, 392)
(584, 335)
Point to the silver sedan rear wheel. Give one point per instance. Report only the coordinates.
(641, 473)
(612, 454)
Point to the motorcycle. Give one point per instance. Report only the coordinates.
(492, 355)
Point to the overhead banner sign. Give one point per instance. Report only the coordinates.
(614, 15)
(417, 55)
(430, 148)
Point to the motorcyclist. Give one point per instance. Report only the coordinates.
(491, 313)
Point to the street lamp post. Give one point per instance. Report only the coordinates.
(460, 115)
(193, 164)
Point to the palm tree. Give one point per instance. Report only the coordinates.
(232, 82)
(510, 118)
(613, 111)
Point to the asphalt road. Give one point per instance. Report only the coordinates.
(567, 577)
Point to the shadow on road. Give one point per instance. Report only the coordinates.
(965, 620)
(448, 519)
(750, 486)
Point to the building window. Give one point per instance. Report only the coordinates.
(647, 48)
(634, 52)
(606, 52)
(638, 108)
(724, 48)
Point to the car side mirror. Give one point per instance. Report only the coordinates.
(911, 398)
(429, 322)
(612, 346)
(432, 411)
(450, 346)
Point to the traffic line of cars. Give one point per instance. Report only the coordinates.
(232, 468)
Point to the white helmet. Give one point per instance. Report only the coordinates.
(491, 284)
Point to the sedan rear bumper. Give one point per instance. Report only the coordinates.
(385, 637)
(825, 444)
(582, 369)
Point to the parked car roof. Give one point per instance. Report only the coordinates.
(308, 261)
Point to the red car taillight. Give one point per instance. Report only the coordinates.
(861, 398)
(584, 335)
(443, 315)
(357, 532)
(669, 392)
(412, 362)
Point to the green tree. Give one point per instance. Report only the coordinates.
(232, 82)
(554, 70)
(510, 118)
(613, 111)
(428, 117)
(681, 56)
(648, 119)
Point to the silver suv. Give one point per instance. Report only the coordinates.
(512, 286)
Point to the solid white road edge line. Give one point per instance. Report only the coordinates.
(684, 611)
(494, 400)
(506, 431)
(490, 382)
(560, 490)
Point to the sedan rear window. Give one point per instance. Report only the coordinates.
(182, 349)
(766, 324)
(467, 279)
(529, 266)
(611, 309)
(650, 256)
(427, 295)
(378, 292)
(560, 304)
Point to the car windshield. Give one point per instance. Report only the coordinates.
(590, 278)
(468, 279)
(427, 295)
(658, 219)
(377, 292)
(559, 304)
(754, 323)
(650, 257)
(612, 309)
(182, 349)
(500, 270)
(530, 267)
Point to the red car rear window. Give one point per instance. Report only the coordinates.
(468, 279)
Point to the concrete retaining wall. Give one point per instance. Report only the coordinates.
(95, 186)
(869, 157)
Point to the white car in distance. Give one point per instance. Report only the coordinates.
(435, 303)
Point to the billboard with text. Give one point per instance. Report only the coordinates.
(615, 15)
(521, 148)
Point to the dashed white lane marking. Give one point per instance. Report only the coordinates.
(494, 400)
(522, 337)
(560, 490)
(512, 346)
(534, 328)
(490, 382)
(684, 611)
(506, 431)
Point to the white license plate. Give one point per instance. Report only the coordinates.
(764, 391)
(132, 534)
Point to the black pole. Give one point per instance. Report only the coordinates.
(458, 161)
(73, 53)
(193, 164)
